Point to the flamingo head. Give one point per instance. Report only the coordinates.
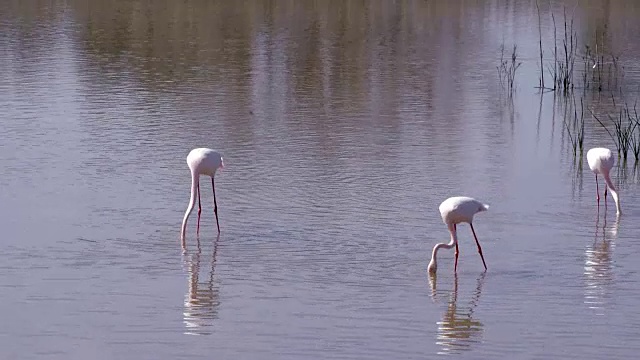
(433, 267)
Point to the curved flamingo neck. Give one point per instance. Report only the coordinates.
(612, 189)
(195, 180)
(433, 264)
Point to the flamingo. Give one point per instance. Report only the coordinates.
(601, 162)
(201, 161)
(455, 210)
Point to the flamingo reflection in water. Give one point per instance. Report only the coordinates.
(598, 265)
(458, 330)
(202, 299)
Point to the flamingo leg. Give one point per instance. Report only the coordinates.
(215, 204)
(455, 264)
(598, 191)
(479, 247)
(199, 211)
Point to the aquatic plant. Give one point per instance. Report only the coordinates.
(563, 67)
(574, 123)
(507, 69)
(635, 141)
(541, 78)
(625, 131)
(596, 74)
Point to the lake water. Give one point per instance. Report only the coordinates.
(343, 125)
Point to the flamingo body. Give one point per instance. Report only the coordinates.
(204, 161)
(201, 161)
(601, 161)
(455, 210)
(460, 209)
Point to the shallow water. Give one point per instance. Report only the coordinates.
(343, 126)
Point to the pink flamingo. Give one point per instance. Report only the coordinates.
(601, 161)
(201, 161)
(457, 210)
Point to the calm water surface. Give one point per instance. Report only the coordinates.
(343, 126)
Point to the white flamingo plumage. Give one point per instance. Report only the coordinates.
(201, 161)
(601, 161)
(455, 210)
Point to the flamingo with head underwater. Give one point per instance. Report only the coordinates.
(201, 161)
(455, 210)
(601, 161)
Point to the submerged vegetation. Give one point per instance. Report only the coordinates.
(507, 69)
(626, 131)
(579, 74)
(574, 123)
(622, 125)
(600, 71)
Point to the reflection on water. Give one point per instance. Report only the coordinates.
(458, 330)
(201, 301)
(598, 265)
(346, 123)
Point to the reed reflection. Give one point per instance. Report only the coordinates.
(458, 330)
(202, 298)
(598, 264)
